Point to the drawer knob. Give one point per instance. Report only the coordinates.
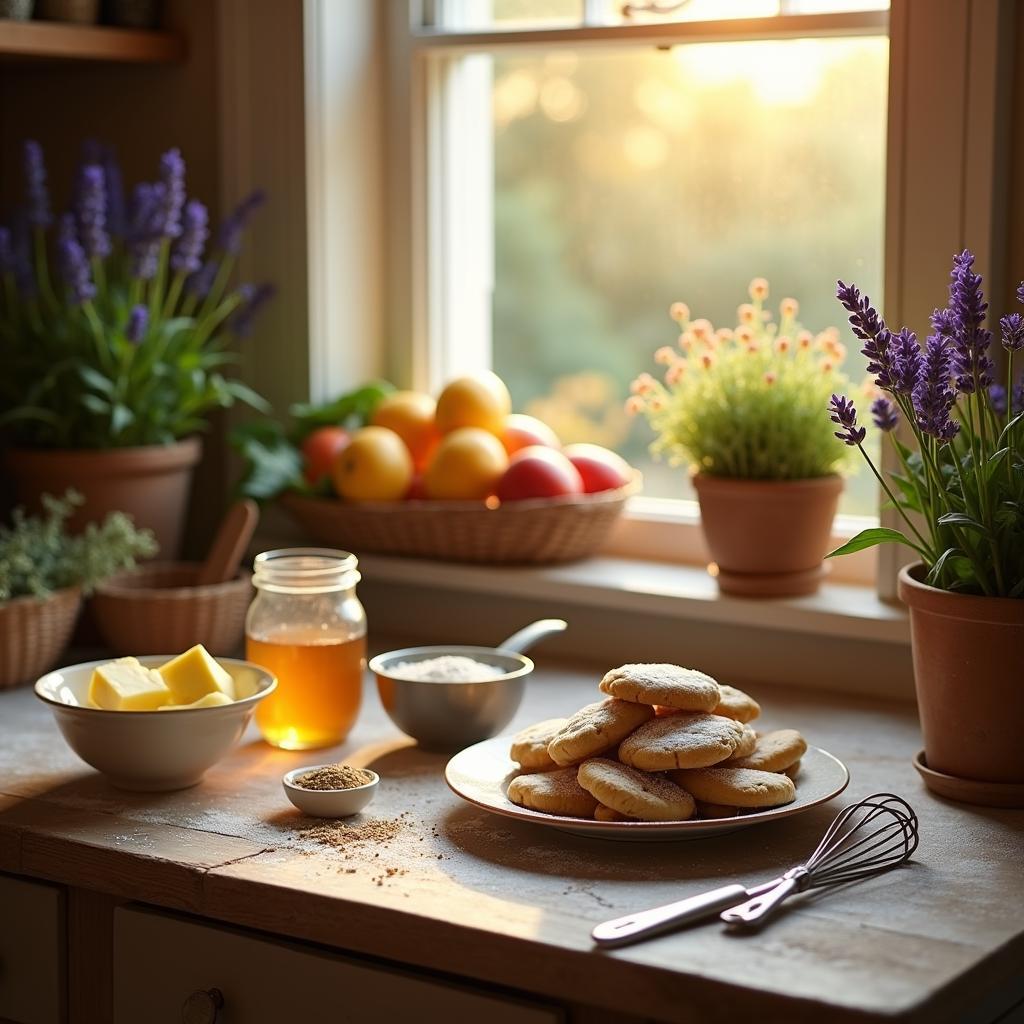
(202, 1007)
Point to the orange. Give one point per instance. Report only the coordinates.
(468, 465)
(410, 414)
(375, 466)
(479, 401)
(521, 431)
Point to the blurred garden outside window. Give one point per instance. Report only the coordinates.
(585, 171)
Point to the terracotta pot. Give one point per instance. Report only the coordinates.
(969, 675)
(150, 483)
(768, 537)
(33, 634)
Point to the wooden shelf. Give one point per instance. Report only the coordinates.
(41, 41)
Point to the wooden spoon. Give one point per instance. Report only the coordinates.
(233, 536)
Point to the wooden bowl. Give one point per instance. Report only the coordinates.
(158, 607)
(537, 531)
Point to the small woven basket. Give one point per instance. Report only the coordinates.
(33, 634)
(536, 531)
(157, 609)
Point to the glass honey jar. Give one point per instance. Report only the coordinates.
(306, 625)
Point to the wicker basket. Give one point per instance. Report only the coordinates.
(33, 634)
(536, 531)
(156, 609)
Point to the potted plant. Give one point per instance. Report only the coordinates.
(738, 406)
(115, 336)
(960, 495)
(43, 574)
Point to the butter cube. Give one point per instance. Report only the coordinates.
(194, 674)
(209, 700)
(126, 685)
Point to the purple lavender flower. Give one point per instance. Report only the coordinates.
(36, 194)
(1012, 327)
(844, 413)
(906, 362)
(116, 220)
(138, 321)
(1020, 292)
(997, 398)
(24, 272)
(187, 255)
(230, 235)
(884, 413)
(200, 283)
(172, 199)
(970, 361)
(74, 266)
(254, 297)
(91, 211)
(145, 230)
(6, 251)
(870, 328)
(933, 397)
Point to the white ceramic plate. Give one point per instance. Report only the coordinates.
(480, 774)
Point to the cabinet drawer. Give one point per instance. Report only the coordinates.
(160, 960)
(31, 952)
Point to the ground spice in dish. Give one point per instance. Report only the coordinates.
(448, 668)
(334, 776)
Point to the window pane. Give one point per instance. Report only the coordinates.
(509, 14)
(625, 181)
(648, 12)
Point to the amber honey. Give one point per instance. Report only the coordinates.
(319, 689)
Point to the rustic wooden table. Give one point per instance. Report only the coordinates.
(506, 903)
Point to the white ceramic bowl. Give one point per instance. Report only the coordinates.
(328, 803)
(151, 751)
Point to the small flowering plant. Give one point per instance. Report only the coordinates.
(741, 402)
(114, 317)
(962, 478)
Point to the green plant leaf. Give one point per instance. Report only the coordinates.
(273, 465)
(120, 418)
(911, 495)
(962, 519)
(871, 537)
(351, 409)
(95, 404)
(244, 393)
(96, 380)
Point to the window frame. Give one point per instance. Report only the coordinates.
(945, 55)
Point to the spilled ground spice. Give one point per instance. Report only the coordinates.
(334, 776)
(339, 835)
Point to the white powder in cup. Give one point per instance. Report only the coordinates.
(448, 668)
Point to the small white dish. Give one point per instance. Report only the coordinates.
(328, 803)
(152, 751)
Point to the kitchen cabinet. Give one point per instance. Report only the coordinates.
(166, 966)
(32, 935)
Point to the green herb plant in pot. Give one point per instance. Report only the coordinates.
(43, 574)
(116, 332)
(739, 407)
(959, 493)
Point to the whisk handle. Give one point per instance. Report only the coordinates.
(757, 910)
(631, 927)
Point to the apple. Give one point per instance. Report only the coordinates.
(319, 451)
(538, 472)
(600, 468)
(521, 431)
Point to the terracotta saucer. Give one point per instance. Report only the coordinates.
(779, 584)
(970, 791)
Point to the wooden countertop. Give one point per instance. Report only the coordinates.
(460, 891)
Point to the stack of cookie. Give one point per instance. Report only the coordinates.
(666, 744)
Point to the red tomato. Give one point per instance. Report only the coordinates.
(601, 469)
(319, 451)
(538, 472)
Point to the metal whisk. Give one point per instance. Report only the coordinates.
(866, 838)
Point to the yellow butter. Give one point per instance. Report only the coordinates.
(209, 700)
(194, 674)
(126, 685)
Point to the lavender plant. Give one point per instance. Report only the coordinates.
(960, 488)
(117, 326)
(743, 402)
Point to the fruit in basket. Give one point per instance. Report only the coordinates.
(319, 451)
(374, 466)
(539, 472)
(410, 414)
(600, 468)
(467, 466)
(479, 401)
(521, 431)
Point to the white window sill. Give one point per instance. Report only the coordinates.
(657, 588)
